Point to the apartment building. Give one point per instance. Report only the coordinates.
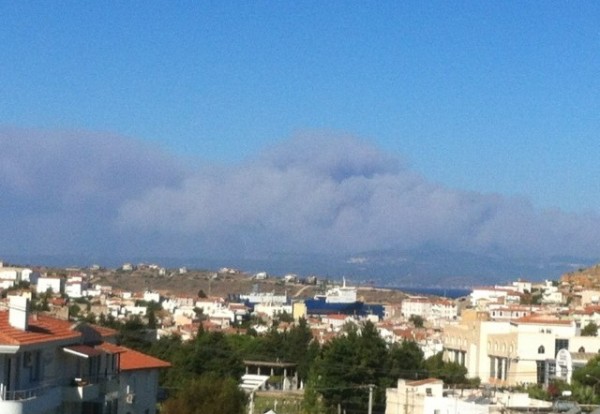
(429, 308)
(523, 350)
(52, 366)
(464, 343)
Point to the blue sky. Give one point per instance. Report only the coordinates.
(483, 97)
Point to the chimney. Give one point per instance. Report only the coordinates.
(18, 312)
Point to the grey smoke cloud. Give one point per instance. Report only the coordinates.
(337, 194)
(70, 192)
(61, 191)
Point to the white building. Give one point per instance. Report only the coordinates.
(434, 310)
(590, 297)
(261, 276)
(10, 276)
(151, 296)
(428, 397)
(254, 298)
(507, 353)
(551, 293)
(73, 289)
(55, 284)
(272, 310)
(51, 366)
(483, 295)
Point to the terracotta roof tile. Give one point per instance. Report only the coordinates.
(110, 348)
(133, 360)
(41, 329)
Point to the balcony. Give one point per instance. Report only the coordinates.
(30, 401)
(90, 388)
(81, 390)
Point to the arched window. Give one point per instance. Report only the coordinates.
(581, 350)
(541, 349)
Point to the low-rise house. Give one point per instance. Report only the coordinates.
(210, 304)
(254, 298)
(484, 295)
(428, 396)
(589, 297)
(127, 267)
(151, 296)
(50, 283)
(74, 288)
(52, 366)
(261, 276)
(272, 310)
(507, 313)
(552, 294)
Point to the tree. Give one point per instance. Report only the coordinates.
(591, 329)
(208, 353)
(449, 372)
(300, 347)
(347, 365)
(74, 310)
(416, 320)
(586, 382)
(152, 322)
(207, 394)
(405, 361)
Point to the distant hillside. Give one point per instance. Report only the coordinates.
(586, 277)
(419, 267)
(427, 266)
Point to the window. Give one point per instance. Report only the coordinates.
(541, 370)
(582, 350)
(31, 361)
(428, 392)
(560, 344)
(541, 349)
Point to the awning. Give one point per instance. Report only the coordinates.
(82, 351)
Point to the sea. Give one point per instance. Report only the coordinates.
(450, 293)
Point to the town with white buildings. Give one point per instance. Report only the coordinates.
(57, 354)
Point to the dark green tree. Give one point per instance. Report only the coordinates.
(74, 310)
(208, 353)
(417, 321)
(301, 348)
(405, 361)
(586, 382)
(152, 321)
(207, 394)
(591, 329)
(347, 365)
(449, 372)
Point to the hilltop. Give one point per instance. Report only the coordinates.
(585, 277)
(223, 284)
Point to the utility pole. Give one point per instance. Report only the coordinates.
(371, 398)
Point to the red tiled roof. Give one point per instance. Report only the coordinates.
(104, 331)
(133, 360)
(337, 316)
(41, 329)
(110, 348)
(533, 319)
